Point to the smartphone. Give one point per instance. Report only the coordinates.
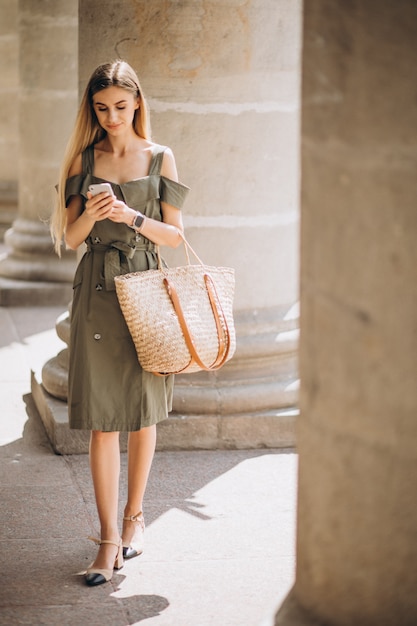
(99, 188)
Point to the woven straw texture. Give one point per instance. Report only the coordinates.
(153, 323)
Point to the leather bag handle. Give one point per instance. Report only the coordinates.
(221, 326)
(187, 249)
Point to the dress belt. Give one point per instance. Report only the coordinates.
(112, 260)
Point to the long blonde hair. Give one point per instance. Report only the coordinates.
(88, 131)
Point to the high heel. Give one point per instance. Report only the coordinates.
(97, 576)
(135, 546)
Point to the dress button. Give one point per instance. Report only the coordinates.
(137, 238)
(99, 287)
(97, 240)
(97, 336)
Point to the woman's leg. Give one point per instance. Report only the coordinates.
(141, 449)
(105, 471)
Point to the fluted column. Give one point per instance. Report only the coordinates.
(47, 103)
(356, 436)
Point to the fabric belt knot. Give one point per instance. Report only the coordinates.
(112, 261)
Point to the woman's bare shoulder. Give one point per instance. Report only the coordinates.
(169, 167)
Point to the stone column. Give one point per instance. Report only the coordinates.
(47, 104)
(357, 507)
(222, 83)
(9, 82)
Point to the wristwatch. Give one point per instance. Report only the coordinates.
(138, 221)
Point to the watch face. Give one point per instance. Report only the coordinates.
(138, 221)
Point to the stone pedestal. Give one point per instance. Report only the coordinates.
(55, 371)
(47, 105)
(357, 508)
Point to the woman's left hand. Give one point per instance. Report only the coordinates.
(121, 213)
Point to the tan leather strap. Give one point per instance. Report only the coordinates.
(221, 326)
(99, 542)
(221, 323)
(134, 518)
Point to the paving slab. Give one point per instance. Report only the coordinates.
(220, 538)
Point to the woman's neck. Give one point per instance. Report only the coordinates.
(120, 145)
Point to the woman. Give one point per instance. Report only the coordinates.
(108, 390)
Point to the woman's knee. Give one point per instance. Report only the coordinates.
(101, 437)
(147, 431)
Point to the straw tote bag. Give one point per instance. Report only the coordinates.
(180, 318)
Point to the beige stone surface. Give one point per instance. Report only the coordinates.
(46, 28)
(46, 104)
(48, 100)
(9, 13)
(244, 168)
(357, 510)
(216, 96)
(9, 148)
(9, 81)
(212, 556)
(207, 43)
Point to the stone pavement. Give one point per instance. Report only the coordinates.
(220, 524)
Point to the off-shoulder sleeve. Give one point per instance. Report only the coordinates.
(172, 192)
(76, 186)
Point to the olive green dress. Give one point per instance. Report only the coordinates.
(108, 389)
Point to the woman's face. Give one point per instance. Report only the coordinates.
(115, 108)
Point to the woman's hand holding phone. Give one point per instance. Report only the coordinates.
(100, 201)
(103, 204)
